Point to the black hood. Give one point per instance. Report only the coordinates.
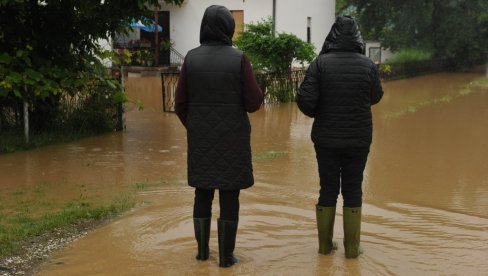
(217, 25)
(344, 36)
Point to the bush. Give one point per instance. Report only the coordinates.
(273, 53)
(410, 55)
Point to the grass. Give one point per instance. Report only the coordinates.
(268, 155)
(147, 185)
(410, 55)
(483, 83)
(30, 212)
(13, 140)
(467, 90)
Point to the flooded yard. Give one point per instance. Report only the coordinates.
(425, 206)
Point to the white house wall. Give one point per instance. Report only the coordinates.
(291, 17)
(185, 20)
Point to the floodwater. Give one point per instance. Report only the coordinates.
(425, 206)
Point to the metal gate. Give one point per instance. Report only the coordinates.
(169, 81)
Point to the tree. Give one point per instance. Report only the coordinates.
(49, 47)
(449, 29)
(52, 40)
(273, 53)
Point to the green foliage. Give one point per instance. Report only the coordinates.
(456, 30)
(50, 47)
(50, 54)
(410, 55)
(273, 53)
(385, 69)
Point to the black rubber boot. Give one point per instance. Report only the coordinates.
(202, 234)
(227, 240)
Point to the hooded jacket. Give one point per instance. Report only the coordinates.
(340, 86)
(218, 128)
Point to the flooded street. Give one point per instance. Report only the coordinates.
(425, 206)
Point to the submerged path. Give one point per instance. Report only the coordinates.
(425, 191)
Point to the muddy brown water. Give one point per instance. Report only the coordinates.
(425, 191)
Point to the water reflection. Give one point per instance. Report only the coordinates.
(426, 196)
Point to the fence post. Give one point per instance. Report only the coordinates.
(26, 121)
(26, 114)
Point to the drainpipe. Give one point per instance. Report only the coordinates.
(274, 18)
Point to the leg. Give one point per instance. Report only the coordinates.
(354, 162)
(329, 172)
(202, 207)
(227, 226)
(202, 213)
(229, 204)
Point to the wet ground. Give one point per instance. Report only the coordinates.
(425, 191)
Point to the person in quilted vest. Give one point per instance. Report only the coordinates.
(339, 89)
(216, 89)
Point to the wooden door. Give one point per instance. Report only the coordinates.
(239, 19)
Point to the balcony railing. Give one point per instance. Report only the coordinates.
(143, 55)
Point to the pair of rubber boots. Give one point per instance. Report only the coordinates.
(227, 231)
(352, 230)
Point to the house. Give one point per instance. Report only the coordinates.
(310, 20)
(377, 53)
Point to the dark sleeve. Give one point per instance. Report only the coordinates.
(253, 96)
(308, 95)
(376, 89)
(181, 96)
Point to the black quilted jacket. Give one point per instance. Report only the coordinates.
(340, 86)
(218, 128)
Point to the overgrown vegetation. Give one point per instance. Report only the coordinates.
(456, 31)
(273, 56)
(410, 55)
(273, 53)
(50, 55)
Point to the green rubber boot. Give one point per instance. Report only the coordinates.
(202, 235)
(325, 227)
(352, 231)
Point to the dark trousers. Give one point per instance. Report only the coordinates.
(341, 170)
(229, 204)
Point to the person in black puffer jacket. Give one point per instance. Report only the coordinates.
(340, 86)
(216, 89)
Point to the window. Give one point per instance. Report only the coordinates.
(375, 54)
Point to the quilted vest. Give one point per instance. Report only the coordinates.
(218, 128)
